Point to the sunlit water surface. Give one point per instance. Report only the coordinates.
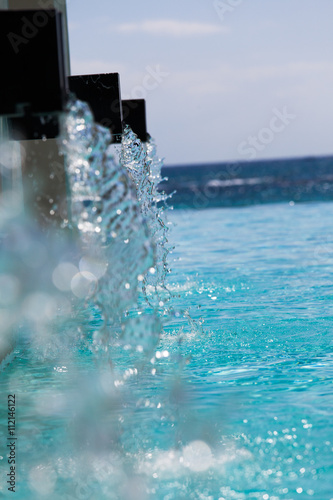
(236, 403)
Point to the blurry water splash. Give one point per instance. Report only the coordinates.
(37, 305)
(30, 303)
(118, 247)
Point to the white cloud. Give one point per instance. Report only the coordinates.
(224, 78)
(292, 69)
(171, 27)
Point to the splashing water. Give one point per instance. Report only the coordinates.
(144, 167)
(116, 240)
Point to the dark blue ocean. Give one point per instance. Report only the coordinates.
(205, 185)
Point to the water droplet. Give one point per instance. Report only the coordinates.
(83, 284)
(197, 456)
(63, 275)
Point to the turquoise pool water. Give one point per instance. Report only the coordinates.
(234, 403)
(262, 277)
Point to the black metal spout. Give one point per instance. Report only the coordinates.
(134, 115)
(33, 85)
(102, 93)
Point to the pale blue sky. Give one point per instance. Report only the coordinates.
(217, 75)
